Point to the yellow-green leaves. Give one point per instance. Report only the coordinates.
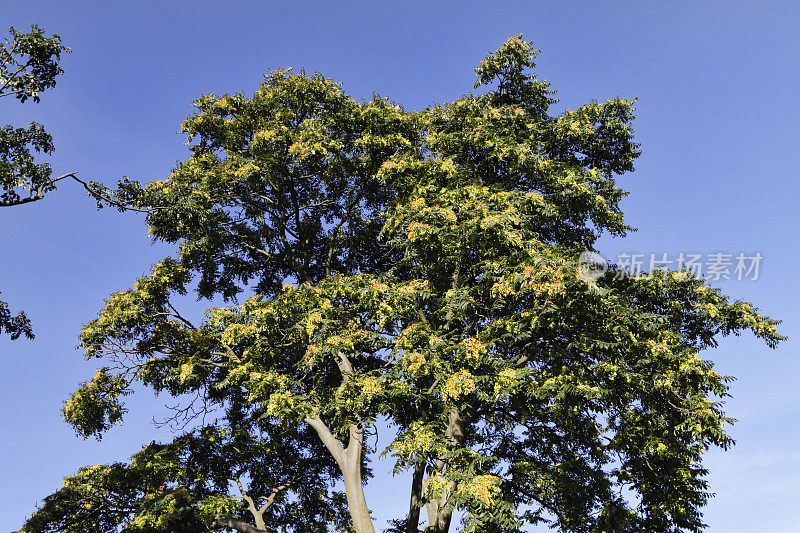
(417, 440)
(482, 490)
(96, 405)
(419, 267)
(143, 307)
(459, 384)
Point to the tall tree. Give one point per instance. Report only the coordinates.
(29, 65)
(422, 267)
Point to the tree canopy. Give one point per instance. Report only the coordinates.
(413, 267)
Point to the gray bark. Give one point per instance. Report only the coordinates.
(354, 489)
(412, 526)
(238, 525)
(348, 459)
(439, 517)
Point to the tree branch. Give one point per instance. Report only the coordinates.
(238, 525)
(333, 444)
(39, 194)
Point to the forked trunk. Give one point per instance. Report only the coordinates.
(349, 461)
(354, 490)
(438, 516)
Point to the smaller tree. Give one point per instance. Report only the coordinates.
(29, 64)
(184, 487)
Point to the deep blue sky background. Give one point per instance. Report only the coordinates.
(719, 122)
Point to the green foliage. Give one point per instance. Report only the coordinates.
(421, 266)
(184, 486)
(282, 185)
(14, 325)
(96, 406)
(29, 64)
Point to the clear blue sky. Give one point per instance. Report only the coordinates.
(719, 121)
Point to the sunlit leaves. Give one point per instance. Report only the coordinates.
(421, 267)
(96, 406)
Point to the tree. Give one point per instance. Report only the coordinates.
(421, 267)
(29, 65)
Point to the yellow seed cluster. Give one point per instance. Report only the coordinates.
(237, 332)
(435, 341)
(313, 320)
(391, 164)
(338, 341)
(474, 348)
(448, 166)
(370, 386)
(406, 290)
(417, 439)
(312, 350)
(506, 381)
(415, 360)
(378, 286)
(417, 203)
(435, 486)
(543, 278)
(413, 287)
(417, 229)
(264, 135)
(423, 440)
(658, 349)
(481, 489)
(409, 335)
(226, 102)
(238, 372)
(276, 403)
(245, 170)
(186, 371)
(459, 384)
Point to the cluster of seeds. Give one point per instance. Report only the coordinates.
(245, 170)
(459, 384)
(370, 386)
(313, 320)
(435, 486)
(277, 402)
(417, 229)
(312, 350)
(413, 287)
(340, 342)
(415, 361)
(481, 489)
(186, 371)
(417, 439)
(474, 349)
(658, 349)
(506, 381)
(378, 286)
